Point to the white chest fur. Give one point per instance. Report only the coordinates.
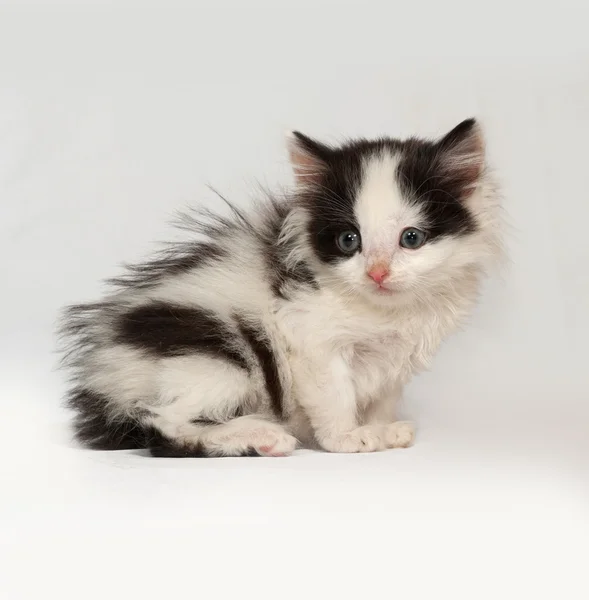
(376, 346)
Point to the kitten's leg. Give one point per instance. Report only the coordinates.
(202, 400)
(382, 410)
(327, 395)
(251, 435)
(383, 407)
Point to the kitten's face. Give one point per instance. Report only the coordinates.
(389, 219)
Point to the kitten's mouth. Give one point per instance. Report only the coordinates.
(385, 291)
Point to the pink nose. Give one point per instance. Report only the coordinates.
(378, 274)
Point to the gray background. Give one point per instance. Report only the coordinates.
(114, 115)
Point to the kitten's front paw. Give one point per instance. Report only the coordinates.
(368, 438)
(400, 434)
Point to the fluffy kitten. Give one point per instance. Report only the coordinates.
(298, 321)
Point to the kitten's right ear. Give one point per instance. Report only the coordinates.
(308, 157)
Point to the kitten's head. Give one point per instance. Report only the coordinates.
(392, 219)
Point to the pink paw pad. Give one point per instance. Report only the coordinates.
(267, 451)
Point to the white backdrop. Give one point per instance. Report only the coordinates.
(113, 115)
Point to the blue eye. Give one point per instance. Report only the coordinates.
(348, 241)
(412, 238)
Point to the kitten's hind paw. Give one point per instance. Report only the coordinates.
(281, 444)
(248, 435)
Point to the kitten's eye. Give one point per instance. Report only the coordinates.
(412, 238)
(348, 241)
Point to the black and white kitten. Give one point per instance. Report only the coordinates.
(298, 321)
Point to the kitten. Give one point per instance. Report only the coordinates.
(298, 321)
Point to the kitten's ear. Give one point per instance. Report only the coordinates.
(308, 157)
(462, 155)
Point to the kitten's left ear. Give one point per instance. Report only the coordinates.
(462, 155)
(308, 157)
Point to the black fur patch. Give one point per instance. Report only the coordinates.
(262, 348)
(284, 277)
(168, 330)
(205, 422)
(165, 448)
(330, 202)
(438, 191)
(95, 426)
